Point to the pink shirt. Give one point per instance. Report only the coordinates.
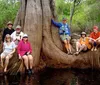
(24, 47)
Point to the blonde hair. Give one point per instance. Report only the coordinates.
(7, 35)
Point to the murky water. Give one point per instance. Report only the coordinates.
(54, 77)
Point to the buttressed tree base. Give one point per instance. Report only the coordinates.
(35, 18)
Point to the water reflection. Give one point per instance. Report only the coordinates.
(54, 77)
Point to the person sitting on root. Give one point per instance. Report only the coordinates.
(17, 35)
(24, 50)
(83, 44)
(8, 51)
(64, 32)
(95, 38)
(9, 30)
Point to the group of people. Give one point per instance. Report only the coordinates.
(83, 44)
(16, 40)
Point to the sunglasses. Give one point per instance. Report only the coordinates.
(25, 37)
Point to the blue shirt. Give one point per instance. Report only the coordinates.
(63, 28)
(8, 48)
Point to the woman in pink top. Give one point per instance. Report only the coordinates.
(24, 51)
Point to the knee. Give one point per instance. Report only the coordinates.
(91, 42)
(98, 42)
(83, 46)
(7, 58)
(77, 43)
(25, 58)
(66, 42)
(1, 57)
(30, 57)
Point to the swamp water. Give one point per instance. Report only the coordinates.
(54, 77)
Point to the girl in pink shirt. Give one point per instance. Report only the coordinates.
(24, 51)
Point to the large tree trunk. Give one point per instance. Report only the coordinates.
(35, 18)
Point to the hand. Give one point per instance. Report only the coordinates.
(28, 53)
(20, 58)
(94, 40)
(9, 54)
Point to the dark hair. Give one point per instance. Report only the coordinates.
(83, 34)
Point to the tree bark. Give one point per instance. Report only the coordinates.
(36, 22)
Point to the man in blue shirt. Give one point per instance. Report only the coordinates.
(64, 32)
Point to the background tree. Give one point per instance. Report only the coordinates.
(7, 11)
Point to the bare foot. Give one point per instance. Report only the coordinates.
(5, 70)
(92, 49)
(95, 49)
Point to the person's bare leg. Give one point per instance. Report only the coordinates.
(70, 47)
(98, 43)
(92, 43)
(83, 47)
(7, 62)
(30, 58)
(78, 45)
(2, 57)
(26, 61)
(66, 46)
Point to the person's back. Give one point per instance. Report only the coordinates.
(9, 30)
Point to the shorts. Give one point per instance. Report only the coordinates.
(4, 54)
(65, 37)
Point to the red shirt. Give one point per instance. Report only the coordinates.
(95, 35)
(23, 48)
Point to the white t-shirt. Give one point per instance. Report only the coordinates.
(8, 48)
(15, 36)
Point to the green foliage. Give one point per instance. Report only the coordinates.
(86, 15)
(62, 9)
(8, 12)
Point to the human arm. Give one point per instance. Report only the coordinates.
(91, 37)
(12, 52)
(98, 39)
(57, 24)
(13, 48)
(19, 48)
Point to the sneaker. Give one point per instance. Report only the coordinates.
(31, 72)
